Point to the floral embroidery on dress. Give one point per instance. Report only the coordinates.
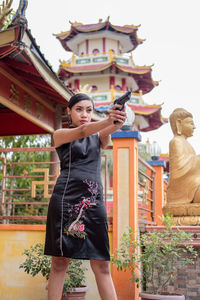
(77, 230)
(76, 227)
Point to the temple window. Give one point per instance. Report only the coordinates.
(94, 88)
(82, 53)
(118, 87)
(95, 51)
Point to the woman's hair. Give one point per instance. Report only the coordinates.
(178, 113)
(78, 97)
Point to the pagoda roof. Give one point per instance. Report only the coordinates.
(142, 75)
(151, 114)
(78, 30)
(138, 109)
(23, 56)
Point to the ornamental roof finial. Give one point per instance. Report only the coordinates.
(4, 12)
(75, 23)
(19, 17)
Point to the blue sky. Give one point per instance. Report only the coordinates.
(171, 29)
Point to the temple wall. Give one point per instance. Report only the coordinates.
(98, 44)
(95, 44)
(102, 83)
(187, 280)
(92, 44)
(118, 81)
(15, 284)
(111, 44)
(82, 48)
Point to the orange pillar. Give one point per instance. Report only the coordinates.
(125, 204)
(149, 215)
(158, 165)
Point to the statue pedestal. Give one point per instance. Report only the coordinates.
(186, 221)
(193, 230)
(184, 214)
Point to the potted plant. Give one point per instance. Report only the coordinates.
(161, 254)
(36, 262)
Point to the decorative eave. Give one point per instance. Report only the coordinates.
(24, 71)
(78, 29)
(142, 75)
(83, 69)
(151, 114)
(100, 67)
(144, 110)
(19, 51)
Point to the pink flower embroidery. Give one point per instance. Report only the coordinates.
(81, 227)
(75, 227)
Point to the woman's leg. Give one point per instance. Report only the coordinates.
(103, 277)
(57, 277)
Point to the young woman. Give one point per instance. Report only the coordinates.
(77, 222)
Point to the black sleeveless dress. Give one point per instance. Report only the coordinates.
(77, 221)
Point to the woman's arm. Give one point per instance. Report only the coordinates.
(63, 136)
(104, 134)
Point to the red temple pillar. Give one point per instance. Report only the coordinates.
(87, 47)
(76, 84)
(104, 45)
(123, 84)
(112, 82)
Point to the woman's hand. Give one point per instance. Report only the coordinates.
(117, 115)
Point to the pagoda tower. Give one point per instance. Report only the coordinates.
(102, 61)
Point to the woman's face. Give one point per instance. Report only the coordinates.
(81, 112)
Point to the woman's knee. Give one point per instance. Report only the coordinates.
(59, 264)
(98, 266)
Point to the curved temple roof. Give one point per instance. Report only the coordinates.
(142, 75)
(24, 71)
(150, 113)
(77, 28)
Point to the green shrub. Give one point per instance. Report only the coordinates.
(36, 262)
(161, 254)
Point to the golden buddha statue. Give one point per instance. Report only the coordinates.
(183, 191)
